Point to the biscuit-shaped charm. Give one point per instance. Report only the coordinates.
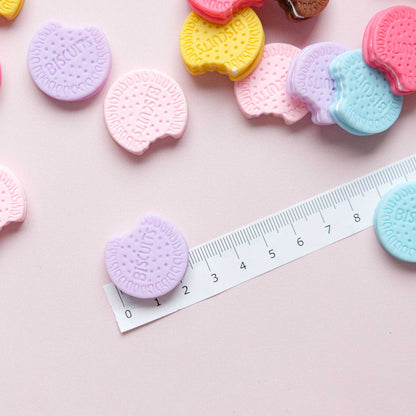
(264, 90)
(143, 106)
(298, 10)
(234, 49)
(309, 79)
(363, 103)
(395, 222)
(12, 198)
(220, 11)
(69, 64)
(149, 261)
(10, 8)
(367, 44)
(389, 44)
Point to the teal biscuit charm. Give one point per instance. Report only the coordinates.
(363, 103)
(395, 222)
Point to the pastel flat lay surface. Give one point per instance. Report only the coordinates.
(333, 333)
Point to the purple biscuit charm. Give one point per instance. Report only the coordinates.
(309, 79)
(149, 261)
(69, 64)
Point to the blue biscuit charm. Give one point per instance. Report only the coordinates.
(363, 103)
(395, 222)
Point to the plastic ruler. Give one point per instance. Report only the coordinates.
(266, 244)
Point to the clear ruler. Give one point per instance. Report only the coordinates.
(266, 244)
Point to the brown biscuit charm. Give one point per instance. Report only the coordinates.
(298, 10)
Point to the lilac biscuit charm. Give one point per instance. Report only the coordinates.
(69, 64)
(149, 261)
(309, 79)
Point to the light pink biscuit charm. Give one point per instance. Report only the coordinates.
(264, 91)
(12, 198)
(143, 106)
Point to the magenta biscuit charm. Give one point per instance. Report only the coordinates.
(220, 11)
(12, 198)
(389, 44)
(143, 106)
(149, 261)
(264, 90)
(69, 64)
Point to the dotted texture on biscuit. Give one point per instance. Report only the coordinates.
(363, 100)
(395, 222)
(231, 49)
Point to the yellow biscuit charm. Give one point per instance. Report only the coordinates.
(10, 8)
(234, 49)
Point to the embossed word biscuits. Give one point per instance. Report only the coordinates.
(221, 11)
(389, 44)
(143, 106)
(10, 8)
(12, 198)
(264, 90)
(234, 49)
(309, 79)
(69, 64)
(298, 10)
(395, 222)
(149, 261)
(363, 103)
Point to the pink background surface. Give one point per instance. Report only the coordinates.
(333, 333)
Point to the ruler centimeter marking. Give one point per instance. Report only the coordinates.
(266, 244)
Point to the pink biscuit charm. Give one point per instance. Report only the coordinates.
(220, 11)
(149, 261)
(389, 44)
(264, 91)
(143, 106)
(12, 198)
(69, 64)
